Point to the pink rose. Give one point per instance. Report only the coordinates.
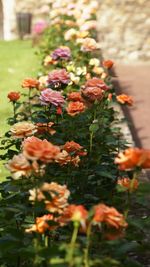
(49, 96)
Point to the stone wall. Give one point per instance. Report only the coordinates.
(124, 29)
(9, 8)
(39, 8)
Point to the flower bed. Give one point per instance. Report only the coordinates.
(67, 199)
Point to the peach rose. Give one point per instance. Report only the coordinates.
(30, 83)
(43, 82)
(89, 44)
(13, 96)
(64, 158)
(37, 149)
(23, 129)
(58, 196)
(125, 99)
(110, 215)
(19, 166)
(70, 34)
(75, 108)
(98, 70)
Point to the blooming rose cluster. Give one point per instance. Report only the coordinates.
(58, 204)
(76, 104)
(36, 153)
(94, 89)
(70, 153)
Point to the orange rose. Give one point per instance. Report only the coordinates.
(23, 129)
(108, 64)
(37, 149)
(19, 166)
(75, 108)
(13, 96)
(75, 96)
(125, 99)
(73, 147)
(133, 157)
(41, 224)
(30, 83)
(76, 213)
(110, 215)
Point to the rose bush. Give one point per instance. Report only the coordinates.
(70, 195)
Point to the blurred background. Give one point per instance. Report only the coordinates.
(124, 36)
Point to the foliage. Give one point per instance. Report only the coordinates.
(61, 151)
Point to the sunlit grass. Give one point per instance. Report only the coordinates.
(17, 61)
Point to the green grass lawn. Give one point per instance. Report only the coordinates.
(17, 61)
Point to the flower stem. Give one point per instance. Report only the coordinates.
(72, 244)
(86, 251)
(14, 111)
(46, 239)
